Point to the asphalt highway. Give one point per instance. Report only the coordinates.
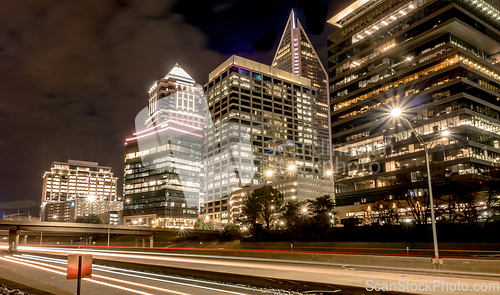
(49, 275)
(414, 283)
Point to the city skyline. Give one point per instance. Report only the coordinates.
(250, 147)
(75, 98)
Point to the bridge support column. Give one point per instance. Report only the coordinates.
(13, 240)
(151, 241)
(143, 242)
(136, 242)
(25, 240)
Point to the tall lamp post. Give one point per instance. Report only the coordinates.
(396, 112)
(91, 198)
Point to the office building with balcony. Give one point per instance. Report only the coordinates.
(296, 54)
(78, 179)
(262, 123)
(69, 210)
(163, 163)
(76, 182)
(437, 61)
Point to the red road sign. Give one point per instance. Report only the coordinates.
(86, 266)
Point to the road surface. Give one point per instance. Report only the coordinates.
(49, 275)
(414, 283)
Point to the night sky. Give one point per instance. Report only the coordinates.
(74, 74)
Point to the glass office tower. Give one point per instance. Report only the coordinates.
(164, 159)
(438, 62)
(296, 54)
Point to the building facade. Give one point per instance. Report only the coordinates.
(74, 182)
(263, 127)
(164, 164)
(437, 61)
(296, 54)
(78, 179)
(293, 188)
(69, 210)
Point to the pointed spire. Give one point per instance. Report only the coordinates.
(294, 19)
(290, 54)
(178, 73)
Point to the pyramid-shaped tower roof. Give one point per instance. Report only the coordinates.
(292, 50)
(178, 73)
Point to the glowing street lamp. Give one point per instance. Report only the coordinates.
(91, 198)
(396, 112)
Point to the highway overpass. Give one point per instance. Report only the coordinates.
(17, 228)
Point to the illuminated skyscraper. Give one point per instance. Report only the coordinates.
(437, 62)
(264, 129)
(163, 165)
(77, 182)
(296, 54)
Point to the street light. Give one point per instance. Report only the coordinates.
(91, 198)
(396, 112)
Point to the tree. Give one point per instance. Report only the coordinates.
(262, 206)
(493, 197)
(419, 206)
(467, 195)
(230, 232)
(92, 218)
(322, 209)
(291, 214)
(385, 212)
(202, 225)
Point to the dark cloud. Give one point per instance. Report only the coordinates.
(266, 43)
(316, 12)
(74, 74)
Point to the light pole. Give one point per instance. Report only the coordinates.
(396, 112)
(329, 174)
(91, 198)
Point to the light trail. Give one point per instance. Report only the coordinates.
(89, 248)
(209, 262)
(109, 279)
(125, 271)
(12, 260)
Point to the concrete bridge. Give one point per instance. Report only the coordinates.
(17, 228)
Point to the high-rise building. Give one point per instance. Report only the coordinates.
(296, 54)
(78, 179)
(69, 210)
(77, 182)
(437, 60)
(264, 127)
(164, 164)
(176, 97)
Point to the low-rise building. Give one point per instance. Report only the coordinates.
(228, 209)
